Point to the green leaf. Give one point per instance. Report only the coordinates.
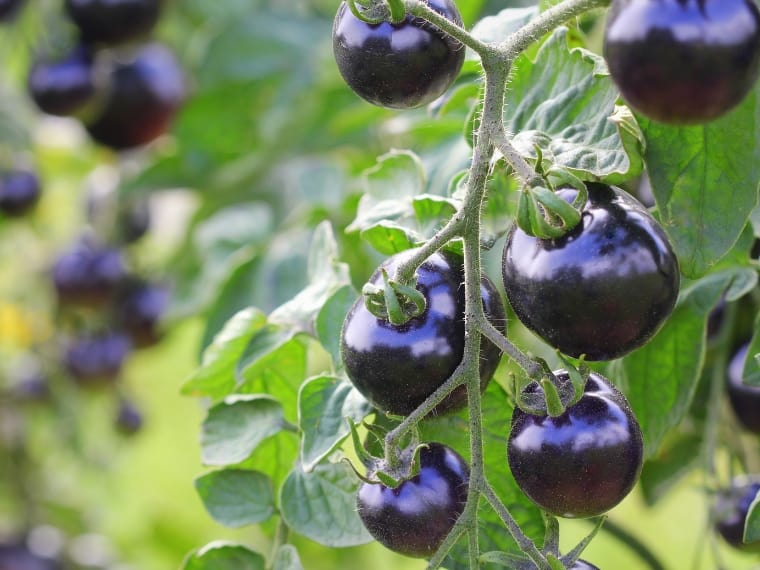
(389, 238)
(751, 373)
(752, 523)
(236, 497)
(453, 430)
(321, 505)
(224, 556)
(498, 27)
(674, 460)
(216, 375)
(705, 180)
(326, 274)
(330, 321)
(660, 378)
(565, 103)
(287, 558)
(234, 428)
(324, 403)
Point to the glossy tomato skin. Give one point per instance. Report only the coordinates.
(113, 21)
(745, 400)
(582, 463)
(583, 565)
(8, 9)
(89, 274)
(602, 290)
(399, 66)
(730, 511)
(414, 518)
(145, 93)
(19, 192)
(398, 367)
(64, 87)
(683, 61)
(140, 307)
(97, 360)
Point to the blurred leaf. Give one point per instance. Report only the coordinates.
(660, 378)
(674, 460)
(287, 558)
(235, 497)
(751, 373)
(324, 403)
(234, 428)
(321, 505)
(326, 274)
(705, 180)
(224, 556)
(216, 375)
(752, 523)
(330, 321)
(499, 27)
(390, 238)
(453, 430)
(565, 102)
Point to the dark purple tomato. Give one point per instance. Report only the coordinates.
(113, 21)
(400, 66)
(730, 512)
(8, 9)
(745, 400)
(398, 367)
(19, 557)
(683, 61)
(602, 290)
(19, 192)
(583, 565)
(129, 419)
(89, 274)
(139, 310)
(134, 222)
(145, 93)
(582, 463)
(32, 388)
(98, 359)
(64, 87)
(414, 518)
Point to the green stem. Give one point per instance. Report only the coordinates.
(420, 9)
(405, 271)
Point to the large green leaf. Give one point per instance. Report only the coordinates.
(705, 180)
(287, 558)
(216, 375)
(236, 497)
(565, 103)
(234, 428)
(660, 378)
(224, 556)
(321, 505)
(324, 403)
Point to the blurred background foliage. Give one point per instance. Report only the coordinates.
(269, 144)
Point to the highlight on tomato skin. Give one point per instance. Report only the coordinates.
(399, 66)
(605, 288)
(415, 518)
(683, 62)
(583, 462)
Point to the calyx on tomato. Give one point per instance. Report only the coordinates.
(583, 462)
(396, 367)
(604, 288)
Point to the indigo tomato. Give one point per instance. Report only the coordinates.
(730, 512)
(415, 517)
(19, 192)
(602, 290)
(64, 87)
(683, 61)
(401, 65)
(98, 359)
(745, 400)
(89, 274)
(583, 462)
(113, 21)
(398, 367)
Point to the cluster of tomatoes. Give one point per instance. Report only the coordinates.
(599, 292)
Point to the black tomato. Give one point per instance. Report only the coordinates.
(89, 274)
(129, 419)
(400, 66)
(602, 290)
(683, 61)
(145, 93)
(139, 310)
(745, 400)
(97, 360)
(398, 367)
(730, 512)
(8, 9)
(19, 192)
(64, 87)
(582, 463)
(113, 21)
(415, 518)
(16, 556)
(583, 565)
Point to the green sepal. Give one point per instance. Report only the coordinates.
(413, 296)
(358, 473)
(361, 452)
(374, 300)
(578, 375)
(539, 227)
(364, 16)
(554, 563)
(554, 406)
(395, 314)
(572, 557)
(416, 464)
(397, 10)
(507, 559)
(523, 213)
(557, 207)
(387, 480)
